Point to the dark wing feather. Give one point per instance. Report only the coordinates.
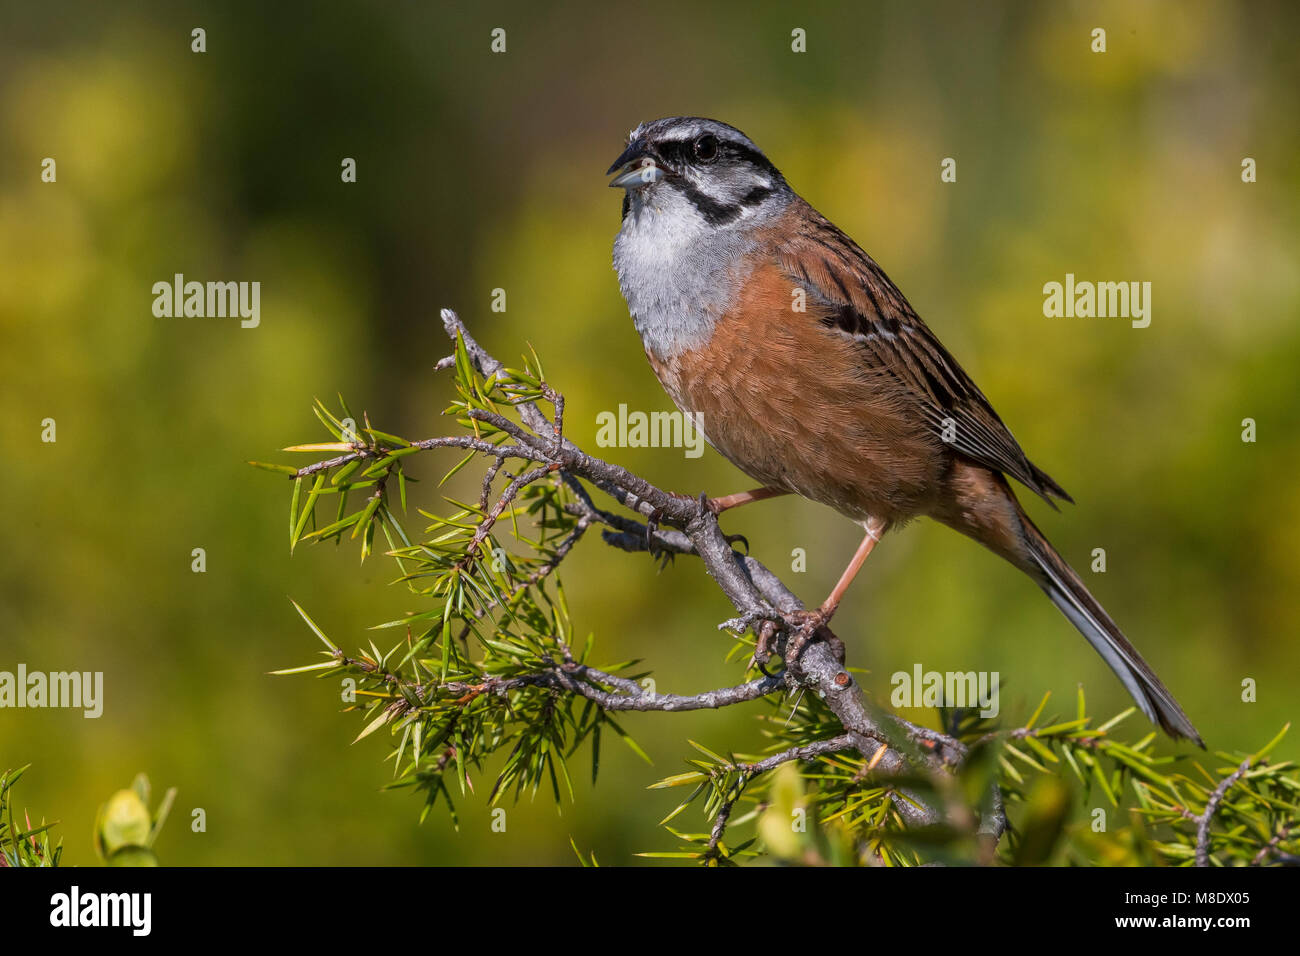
(856, 296)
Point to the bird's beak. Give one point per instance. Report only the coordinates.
(636, 167)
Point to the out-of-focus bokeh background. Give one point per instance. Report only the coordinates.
(479, 171)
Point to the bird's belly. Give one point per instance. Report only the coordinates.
(787, 409)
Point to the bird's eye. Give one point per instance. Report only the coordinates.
(706, 148)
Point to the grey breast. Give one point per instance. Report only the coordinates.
(678, 273)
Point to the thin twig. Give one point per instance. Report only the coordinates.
(1271, 846)
(1211, 805)
(805, 752)
(890, 745)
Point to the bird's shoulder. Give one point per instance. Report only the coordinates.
(849, 294)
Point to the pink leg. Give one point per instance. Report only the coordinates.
(810, 622)
(727, 502)
(875, 530)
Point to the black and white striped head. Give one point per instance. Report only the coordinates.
(713, 166)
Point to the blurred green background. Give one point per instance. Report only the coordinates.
(479, 171)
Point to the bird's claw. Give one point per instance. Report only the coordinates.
(710, 506)
(801, 627)
(766, 624)
(651, 526)
(807, 626)
(763, 647)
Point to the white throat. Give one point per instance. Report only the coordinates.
(678, 272)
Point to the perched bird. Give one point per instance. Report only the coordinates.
(813, 375)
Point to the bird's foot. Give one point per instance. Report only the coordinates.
(766, 624)
(713, 506)
(806, 626)
(803, 625)
(800, 628)
(651, 526)
(710, 505)
(662, 556)
(733, 538)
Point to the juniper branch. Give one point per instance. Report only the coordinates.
(817, 668)
(670, 524)
(526, 692)
(1207, 816)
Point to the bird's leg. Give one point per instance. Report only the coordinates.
(809, 621)
(727, 502)
(875, 529)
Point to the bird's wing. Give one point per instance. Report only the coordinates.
(849, 292)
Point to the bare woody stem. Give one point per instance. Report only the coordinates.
(755, 592)
(1211, 806)
(890, 746)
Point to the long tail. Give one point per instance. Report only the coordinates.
(981, 504)
(1069, 594)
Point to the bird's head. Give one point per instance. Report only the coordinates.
(715, 167)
